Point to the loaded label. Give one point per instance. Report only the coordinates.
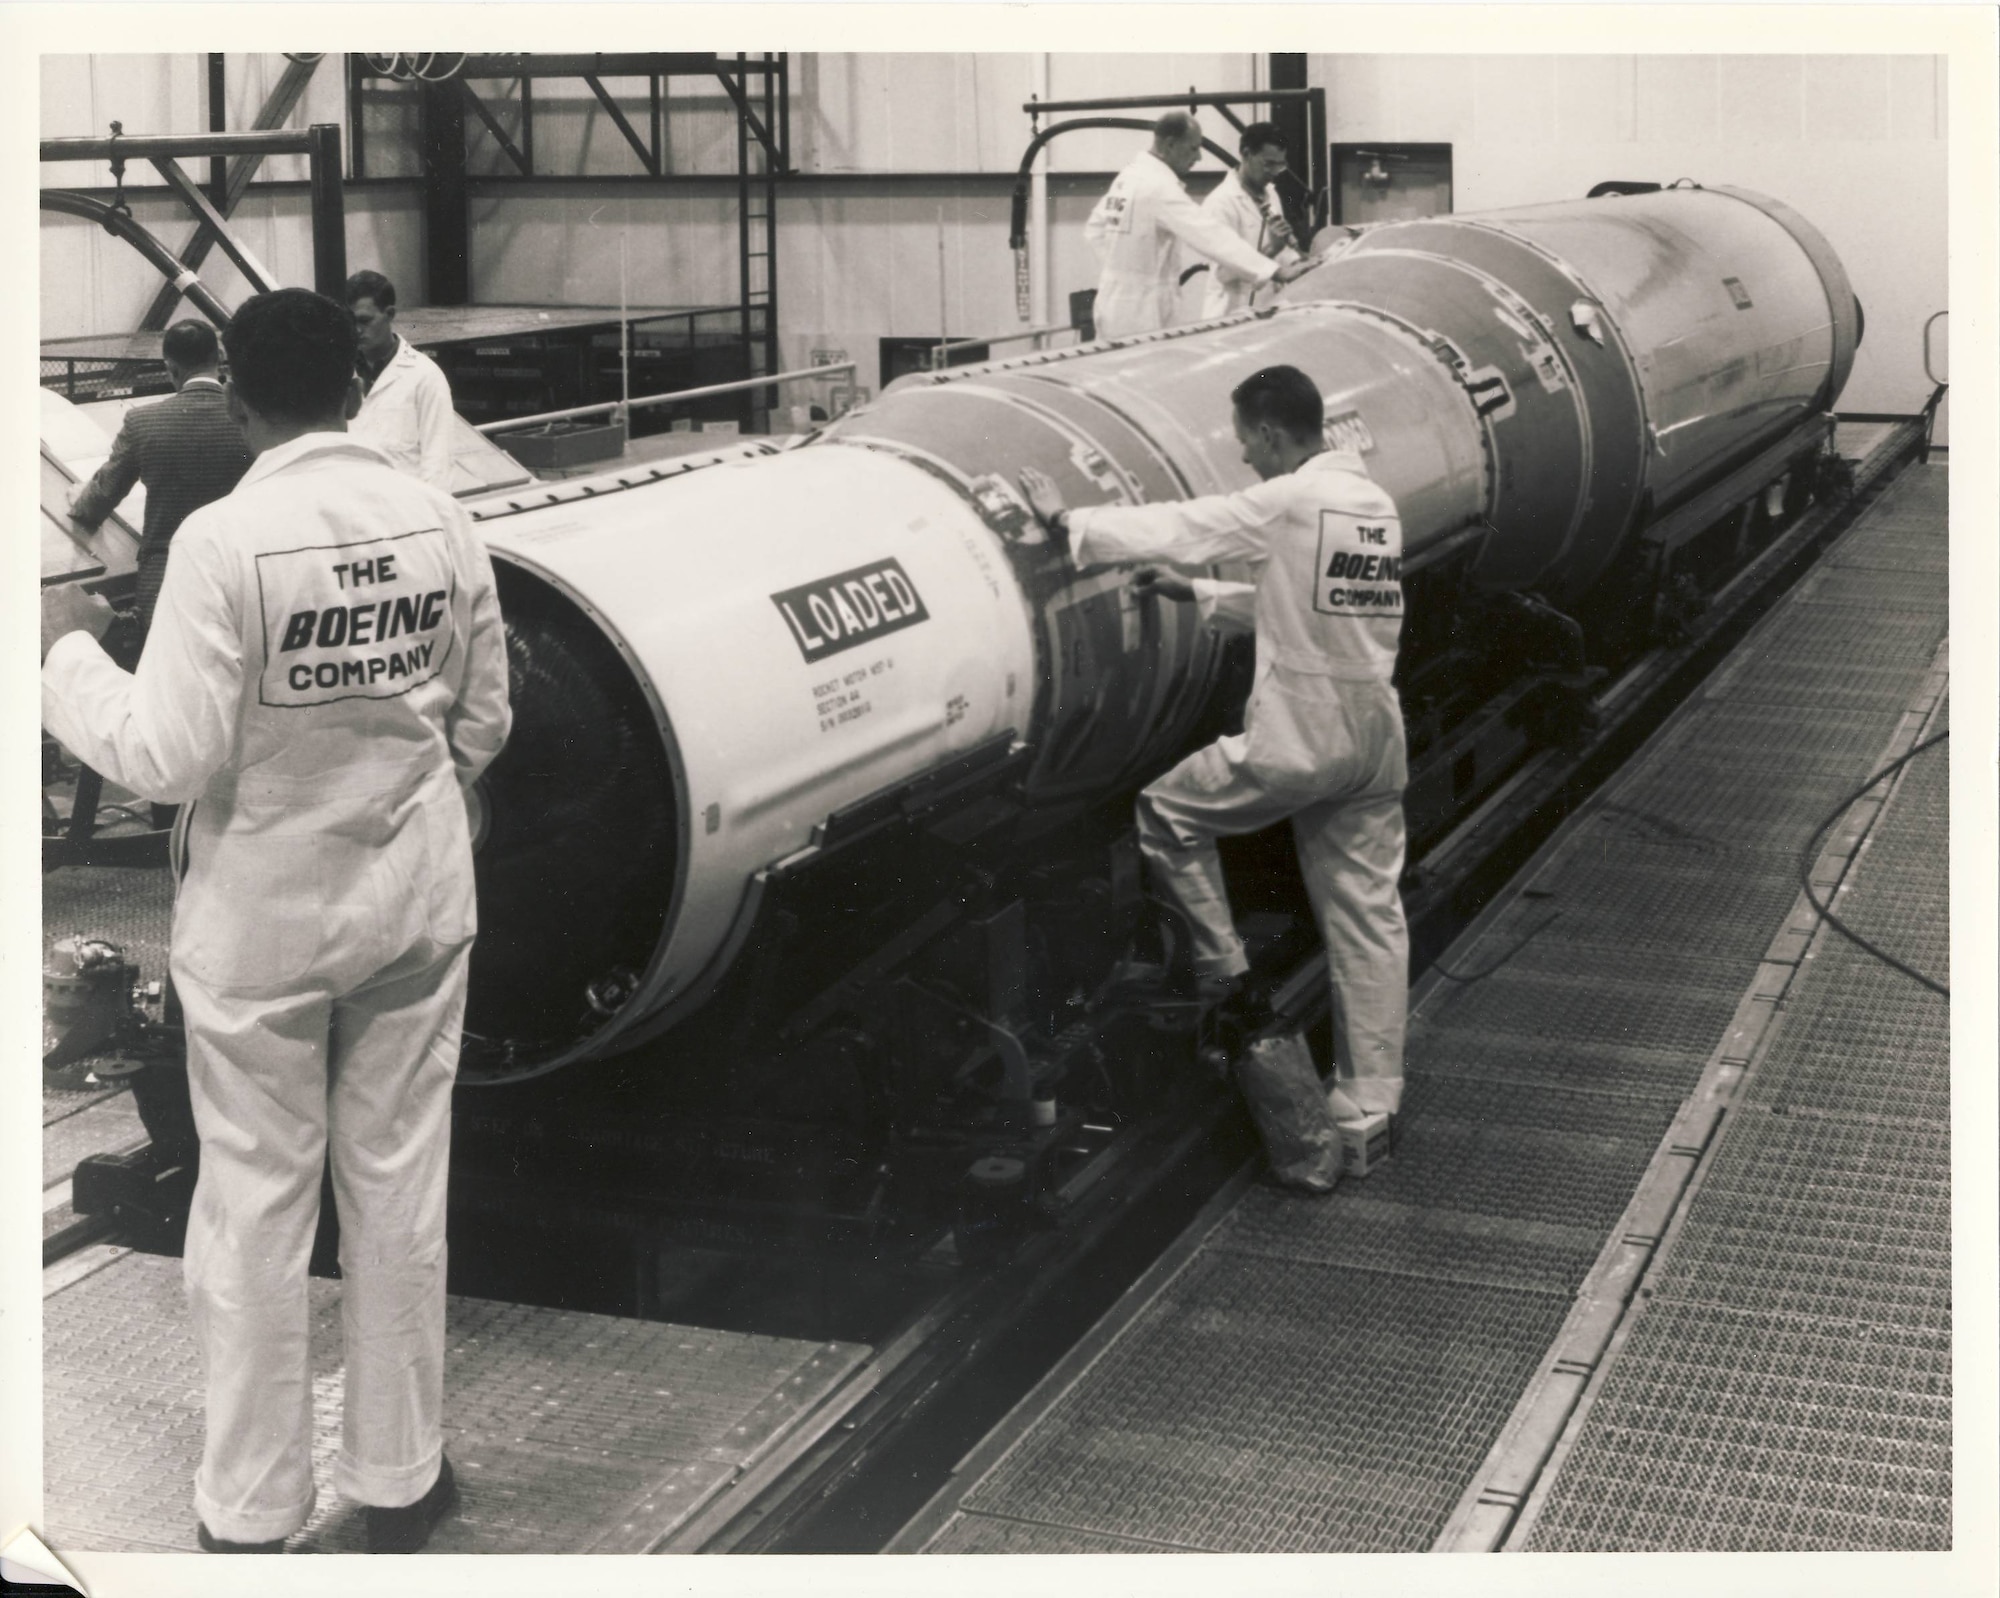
(369, 620)
(850, 608)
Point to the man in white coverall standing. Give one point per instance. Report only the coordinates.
(1322, 740)
(406, 401)
(1135, 227)
(1246, 203)
(325, 676)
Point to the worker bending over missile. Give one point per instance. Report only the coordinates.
(1322, 740)
(326, 675)
(1246, 202)
(1136, 227)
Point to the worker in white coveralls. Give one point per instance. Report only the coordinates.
(406, 400)
(1246, 202)
(1322, 740)
(1136, 228)
(325, 676)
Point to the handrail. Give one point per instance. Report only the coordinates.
(605, 407)
(1935, 318)
(1017, 223)
(256, 141)
(1013, 337)
(1137, 102)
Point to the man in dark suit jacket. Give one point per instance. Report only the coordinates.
(185, 450)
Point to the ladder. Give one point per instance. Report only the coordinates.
(762, 95)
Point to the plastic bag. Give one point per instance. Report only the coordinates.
(1288, 1103)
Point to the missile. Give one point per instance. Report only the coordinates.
(714, 669)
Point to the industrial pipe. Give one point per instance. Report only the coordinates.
(273, 141)
(1017, 231)
(707, 391)
(120, 223)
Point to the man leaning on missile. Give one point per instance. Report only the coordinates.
(1322, 742)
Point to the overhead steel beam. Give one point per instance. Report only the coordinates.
(651, 158)
(1167, 102)
(750, 117)
(197, 202)
(278, 106)
(277, 141)
(218, 122)
(329, 213)
(493, 127)
(628, 65)
(1305, 151)
(447, 221)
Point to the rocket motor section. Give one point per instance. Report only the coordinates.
(1120, 681)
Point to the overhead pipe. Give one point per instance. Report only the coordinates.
(121, 225)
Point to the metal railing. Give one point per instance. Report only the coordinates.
(707, 391)
(942, 350)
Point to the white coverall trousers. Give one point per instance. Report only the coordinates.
(361, 1063)
(1330, 755)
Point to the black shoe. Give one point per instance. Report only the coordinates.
(406, 1530)
(216, 1545)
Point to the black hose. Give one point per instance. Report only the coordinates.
(1017, 232)
(1812, 853)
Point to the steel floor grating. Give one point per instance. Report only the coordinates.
(1370, 1233)
(1607, 1070)
(1665, 1000)
(1196, 1436)
(1719, 1429)
(568, 1431)
(1787, 1383)
(1643, 895)
(1844, 742)
(1212, 1415)
(993, 1534)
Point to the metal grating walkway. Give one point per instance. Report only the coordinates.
(1347, 1374)
(1787, 1382)
(570, 1433)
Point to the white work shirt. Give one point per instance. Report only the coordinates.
(1251, 219)
(1135, 230)
(1328, 597)
(407, 415)
(326, 672)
